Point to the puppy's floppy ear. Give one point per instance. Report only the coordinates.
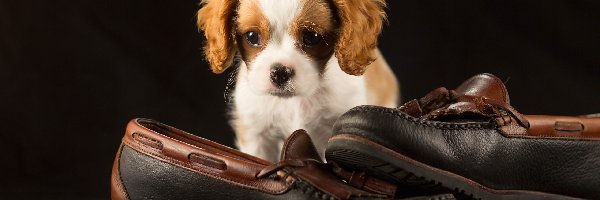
(215, 18)
(361, 22)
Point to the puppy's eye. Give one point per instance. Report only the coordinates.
(310, 39)
(253, 38)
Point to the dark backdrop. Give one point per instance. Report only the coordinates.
(72, 73)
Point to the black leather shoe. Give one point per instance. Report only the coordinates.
(471, 140)
(156, 161)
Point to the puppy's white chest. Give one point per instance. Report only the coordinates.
(279, 117)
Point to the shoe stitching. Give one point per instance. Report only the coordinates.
(428, 123)
(188, 144)
(459, 126)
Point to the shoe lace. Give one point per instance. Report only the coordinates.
(441, 97)
(356, 179)
(293, 163)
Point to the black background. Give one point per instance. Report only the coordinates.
(72, 73)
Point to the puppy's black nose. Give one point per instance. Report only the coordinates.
(280, 74)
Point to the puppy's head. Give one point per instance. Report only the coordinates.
(286, 44)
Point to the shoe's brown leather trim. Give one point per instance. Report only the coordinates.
(325, 181)
(546, 126)
(361, 180)
(300, 160)
(200, 155)
(117, 190)
(486, 96)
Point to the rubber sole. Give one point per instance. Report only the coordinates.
(360, 154)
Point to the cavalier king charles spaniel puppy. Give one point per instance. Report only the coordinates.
(303, 64)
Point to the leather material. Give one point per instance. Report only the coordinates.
(581, 127)
(483, 96)
(117, 190)
(299, 146)
(156, 161)
(148, 178)
(365, 182)
(484, 85)
(486, 143)
(177, 147)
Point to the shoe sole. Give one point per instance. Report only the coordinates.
(361, 154)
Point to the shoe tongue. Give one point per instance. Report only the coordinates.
(485, 85)
(299, 146)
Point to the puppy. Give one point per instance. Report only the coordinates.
(294, 54)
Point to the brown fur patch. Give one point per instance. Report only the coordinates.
(251, 19)
(361, 22)
(215, 19)
(316, 16)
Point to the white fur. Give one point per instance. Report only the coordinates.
(267, 120)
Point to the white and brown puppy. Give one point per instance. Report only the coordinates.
(295, 53)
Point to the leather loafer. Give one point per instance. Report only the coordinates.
(156, 161)
(472, 141)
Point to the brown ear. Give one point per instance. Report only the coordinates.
(360, 24)
(215, 18)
